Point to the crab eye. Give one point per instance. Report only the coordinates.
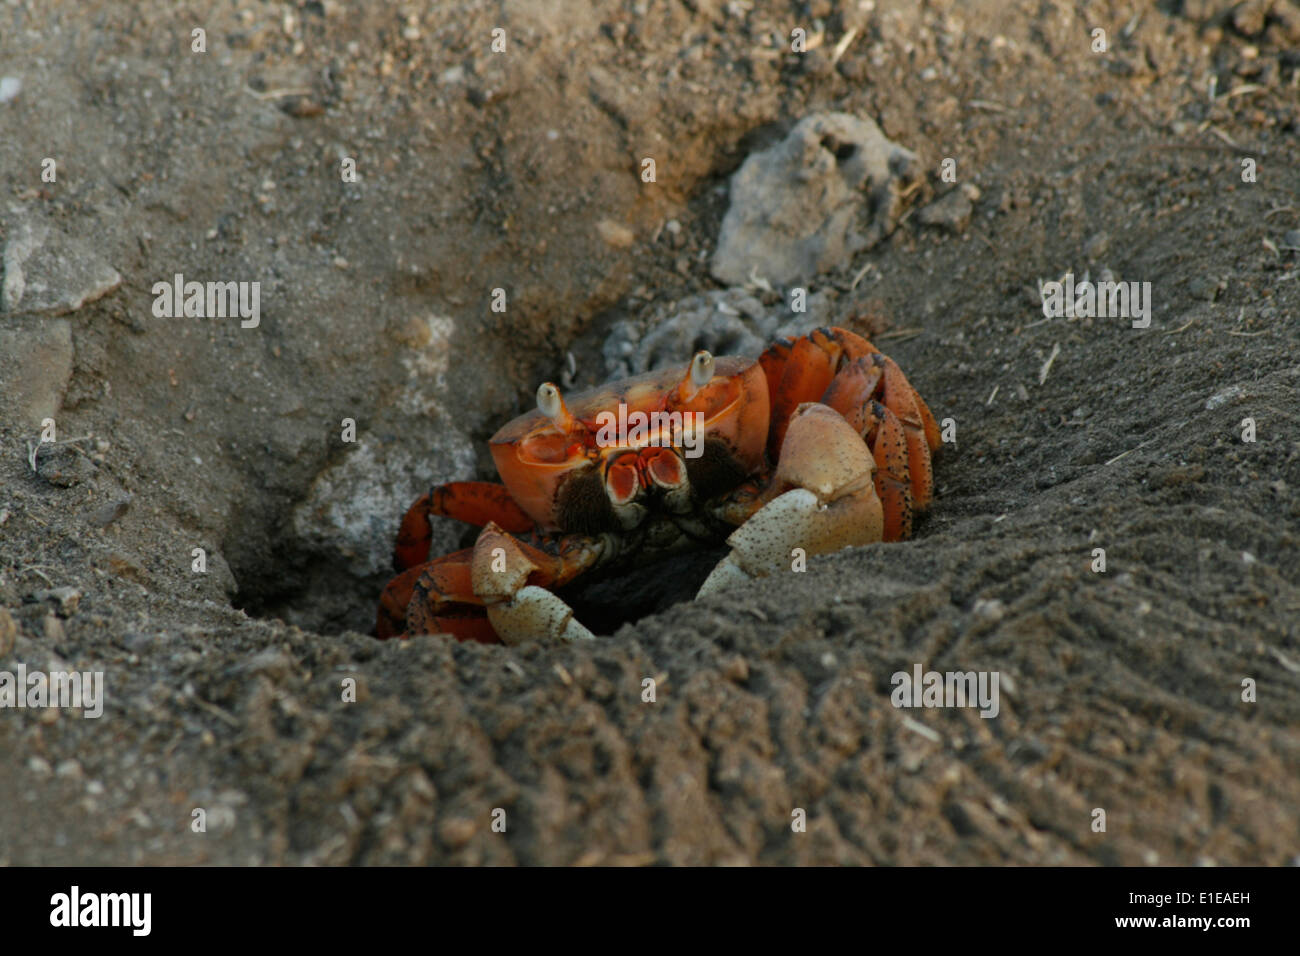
(548, 400)
(701, 369)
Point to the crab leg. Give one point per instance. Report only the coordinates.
(900, 468)
(494, 591)
(822, 498)
(447, 604)
(847, 373)
(474, 502)
(511, 577)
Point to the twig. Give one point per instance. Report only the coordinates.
(1242, 90)
(36, 569)
(843, 45)
(1224, 136)
(1047, 366)
(861, 272)
(1181, 327)
(920, 728)
(1130, 451)
(278, 94)
(216, 711)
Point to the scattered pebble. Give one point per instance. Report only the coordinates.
(615, 234)
(137, 641)
(68, 598)
(951, 211)
(737, 669)
(1230, 394)
(63, 465)
(54, 633)
(39, 766)
(457, 831)
(107, 514)
(10, 86)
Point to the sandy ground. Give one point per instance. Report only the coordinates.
(1122, 690)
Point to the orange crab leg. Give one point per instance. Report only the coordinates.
(801, 370)
(853, 371)
(474, 502)
(894, 480)
(805, 374)
(849, 393)
(456, 611)
(901, 399)
(453, 594)
(902, 474)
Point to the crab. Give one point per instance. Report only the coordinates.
(819, 444)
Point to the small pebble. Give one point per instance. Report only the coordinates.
(39, 766)
(616, 234)
(110, 512)
(68, 599)
(53, 628)
(457, 831)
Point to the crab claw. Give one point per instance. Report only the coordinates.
(822, 498)
(519, 611)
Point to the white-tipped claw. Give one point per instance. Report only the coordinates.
(533, 614)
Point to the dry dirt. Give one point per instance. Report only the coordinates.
(1122, 690)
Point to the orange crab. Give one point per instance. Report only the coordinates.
(819, 444)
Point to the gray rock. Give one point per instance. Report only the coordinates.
(63, 465)
(724, 321)
(47, 272)
(806, 205)
(35, 367)
(354, 507)
(950, 211)
(67, 598)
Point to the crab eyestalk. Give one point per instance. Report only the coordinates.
(551, 404)
(698, 374)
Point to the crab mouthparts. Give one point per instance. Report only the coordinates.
(648, 468)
